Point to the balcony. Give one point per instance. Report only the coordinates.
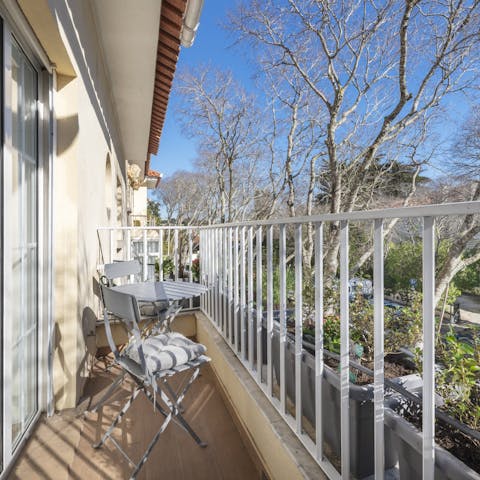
(264, 322)
(62, 445)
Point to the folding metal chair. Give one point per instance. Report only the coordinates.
(159, 312)
(151, 362)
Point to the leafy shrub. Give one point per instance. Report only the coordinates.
(458, 381)
(468, 279)
(196, 268)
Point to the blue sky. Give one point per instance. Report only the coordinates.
(214, 46)
(211, 46)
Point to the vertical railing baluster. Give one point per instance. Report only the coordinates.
(211, 279)
(200, 265)
(428, 399)
(128, 245)
(259, 302)
(128, 240)
(217, 277)
(269, 309)
(243, 301)
(250, 297)
(190, 254)
(111, 244)
(378, 340)
(189, 234)
(344, 353)
(298, 326)
(225, 283)
(220, 279)
(230, 285)
(235, 291)
(145, 256)
(176, 253)
(318, 339)
(160, 255)
(283, 316)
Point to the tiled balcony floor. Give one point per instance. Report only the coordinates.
(61, 447)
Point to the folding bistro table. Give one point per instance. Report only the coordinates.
(166, 291)
(171, 291)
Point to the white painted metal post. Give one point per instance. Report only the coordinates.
(160, 255)
(112, 247)
(128, 250)
(243, 301)
(190, 261)
(235, 291)
(283, 315)
(201, 272)
(428, 400)
(225, 282)
(298, 326)
(250, 298)
(221, 323)
(378, 314)
(216, 262)
(190, 254)
(210, 273)
(128, 246)
(344, 353)
(259, 303)
(318, 338)
(145, 257)
(230, 284)
(269, 309)
(176, 253)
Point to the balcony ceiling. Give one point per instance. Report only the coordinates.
(129, 36)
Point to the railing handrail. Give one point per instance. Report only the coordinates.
(454, 208)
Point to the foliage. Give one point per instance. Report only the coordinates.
(168, 266)
(290, 285)
(453, 294)
(196, 268)
(468, 279)
(153, 211)
(403, 326)
(458, 381)
(331, 333)
(402, 263)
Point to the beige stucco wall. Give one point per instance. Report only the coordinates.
(87, 134)
(140, 201)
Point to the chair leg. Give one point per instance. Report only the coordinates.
(150, 447)
(118, 418)
(117, 382)
(174, 406)
(177, 398)
(171, 414)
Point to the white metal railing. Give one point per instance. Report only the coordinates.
(163, 252)
(229, 257)
(232, 256)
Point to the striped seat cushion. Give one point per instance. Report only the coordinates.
(168, 350)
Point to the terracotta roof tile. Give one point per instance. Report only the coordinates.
(171, 18)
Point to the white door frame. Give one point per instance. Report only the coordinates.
(15, 25)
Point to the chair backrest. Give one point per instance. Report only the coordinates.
(125, 307)
(121, 269)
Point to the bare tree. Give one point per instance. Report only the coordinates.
(223, 118)
(466, 155)
(379, 70)
(188, 198)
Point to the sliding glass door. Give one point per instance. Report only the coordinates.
(24, 242)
